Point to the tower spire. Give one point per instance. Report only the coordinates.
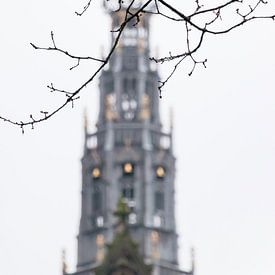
(171, 119)
(129, 156)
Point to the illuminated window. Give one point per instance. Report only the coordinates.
(99, 221)
(128, 168)
(100, 247)
(154, 237)
(96, 173)
(132, 218)
(131, 204)
(129, 102)
(160, 172)
(100, 240)
(157, 221)
(155, 244)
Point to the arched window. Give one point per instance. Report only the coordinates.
(159, 201)
(97, 200)
(128, 193)
(129, 99)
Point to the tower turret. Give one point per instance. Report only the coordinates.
(129, 156)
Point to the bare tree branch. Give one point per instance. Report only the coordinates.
(71, 97)
(196, 21)
(84, 9)
(55, 48)
(203, 29)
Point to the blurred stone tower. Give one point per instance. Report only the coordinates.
(129, 156)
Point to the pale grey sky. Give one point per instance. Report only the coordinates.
(224, 141)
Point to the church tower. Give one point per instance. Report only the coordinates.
(130, 157)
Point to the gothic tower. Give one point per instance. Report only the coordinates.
(129, 156)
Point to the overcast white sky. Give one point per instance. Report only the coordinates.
(224, 141)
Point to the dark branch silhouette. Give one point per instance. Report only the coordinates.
(55, 48)
(133, 9)
(84, 9)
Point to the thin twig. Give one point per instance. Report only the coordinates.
(84, 9)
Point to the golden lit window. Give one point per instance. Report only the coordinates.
(154, 237)
(100, 240)
(100, 247)
(128, 168)
(160, 172)
(96, 173)
(155, 245)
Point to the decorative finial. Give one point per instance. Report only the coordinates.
(113, 6)
(171, 118)
(102, 52)
(85, 119)
(192, 261)
(64, 262)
